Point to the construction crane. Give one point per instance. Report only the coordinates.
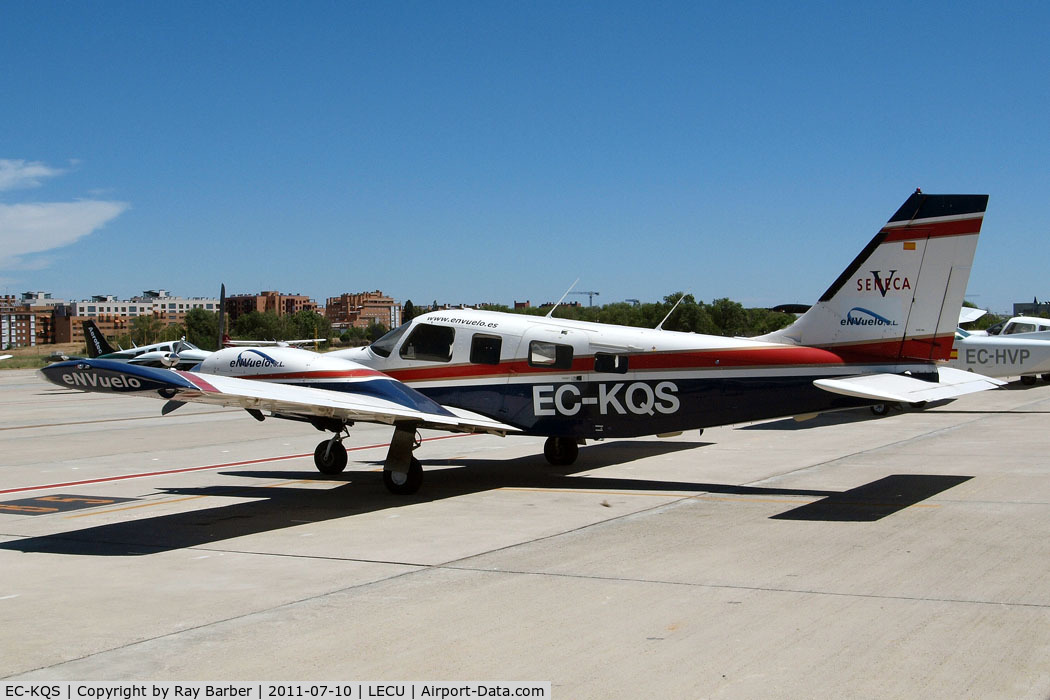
(590, 295)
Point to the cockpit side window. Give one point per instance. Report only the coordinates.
(385, 345)
(484, 349)
(550, 355)
(429, 343)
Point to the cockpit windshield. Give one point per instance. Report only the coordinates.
(385, 345)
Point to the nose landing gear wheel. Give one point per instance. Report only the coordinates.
(330, 456)
(404, 484)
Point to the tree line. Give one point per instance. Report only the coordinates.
(720, 317)
(201, 327)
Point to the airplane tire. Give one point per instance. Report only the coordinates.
(561, 451)
(332, 463)
(404, 484)
(1028, 379)
(880, 409)
(1046, 377)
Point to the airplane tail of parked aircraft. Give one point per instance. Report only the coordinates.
(899, 299)
(96, 341)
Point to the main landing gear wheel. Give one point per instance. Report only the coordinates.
(880, 409)
(330, 456)
(404, 484)
(561, 451)
(1028, 379)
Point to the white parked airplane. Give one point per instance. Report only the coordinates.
(1019, 347)
(1025, 355)
(170, 353)
(876, 335)
(1020, 325)
(180, 354)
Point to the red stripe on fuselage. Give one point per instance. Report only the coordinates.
(675, 360)
(923, 349)
(918, 231)
(749, 357)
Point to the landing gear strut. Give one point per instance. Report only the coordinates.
(561, 451)
(402, 473)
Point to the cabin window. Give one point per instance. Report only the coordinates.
(429, 343)
(607, 362)
(553, 355)
(484, 349)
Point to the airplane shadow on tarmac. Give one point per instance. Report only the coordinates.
(276, 507)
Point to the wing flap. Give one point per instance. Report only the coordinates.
(897, 387)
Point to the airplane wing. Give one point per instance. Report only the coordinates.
(4, 357)
(382, 400)
(904, 389)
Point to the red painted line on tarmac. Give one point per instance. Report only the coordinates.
(184, 470)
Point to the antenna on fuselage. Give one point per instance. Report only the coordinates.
(660, 326)
(563, 297)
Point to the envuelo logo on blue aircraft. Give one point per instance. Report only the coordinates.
(263, 360)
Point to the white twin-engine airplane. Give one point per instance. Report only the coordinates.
(876, 335)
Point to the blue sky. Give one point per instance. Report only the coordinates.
(497, 151)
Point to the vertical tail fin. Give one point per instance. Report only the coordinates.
(900, 298)
(96, 342)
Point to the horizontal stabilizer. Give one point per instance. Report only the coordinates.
(904, 389)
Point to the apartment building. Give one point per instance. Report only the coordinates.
(361, 309)
(27, 321)
(275, 302)
(114, 316)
